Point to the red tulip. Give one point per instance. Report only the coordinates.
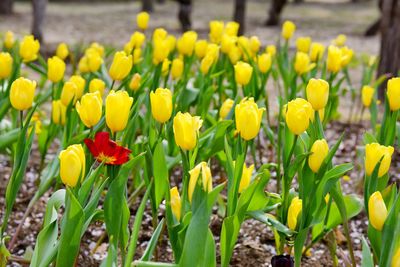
(106, 150)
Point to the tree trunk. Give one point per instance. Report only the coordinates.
(147, 5)
(39, 12)
(185, 10)
(390, 39)
(240, 14)
(6, 6)
(274, 13)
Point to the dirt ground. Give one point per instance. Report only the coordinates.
(112, 24)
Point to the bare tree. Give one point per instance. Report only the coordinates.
(275, 11)
(240, 14)
(390, 38)
(39, 12)
(147, 5)
(6, 6)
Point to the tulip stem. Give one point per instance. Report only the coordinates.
(21, 117)
(112, 85)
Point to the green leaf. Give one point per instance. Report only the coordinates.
(148, 253)
(271, 221)
(367, 260)
(229, 233)
(153, 264)
(9, 138)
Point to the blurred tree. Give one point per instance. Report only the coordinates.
(275, 11)
(184, 13)
(39, 12)
(147, 5)
(6, 6)
(390, 39)
(240, 14)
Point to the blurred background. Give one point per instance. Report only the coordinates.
(112, 22)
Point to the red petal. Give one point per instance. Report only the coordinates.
(92, 147)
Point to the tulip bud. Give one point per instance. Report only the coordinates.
(176, 68)
(97, 85)
(6, 62)
(298, 115)
(159, 34)
(319, 151)
(165, 67)
(72, 165)
(29, 48)
(334, 60)
(303, 44)
(340, 40)
(396, 258)
(246, 177)
(293, 212)
(264, 62)
(176, 203)
(216, 31)
(55, 69)
(206, 179)
(134, 85)
(200, 48)
(89, 108)
(187, 42)
(226, 108)
(347, 55)
(367, 94)
(206, 64)
(373, 154)
(142, 20)
(393, 93)
(136, 41)
(288, 29)
(186, 129)
(22, 93)
(317, 93)
(244, 46)
(213, 51)
(98, 47)
(161, 104)
(243, 72)
(377, 211)
(227, 42)
(234, 55)
(80, 85)
(302, 63)
(171, 41)
(271, 49)
(316, 51)
(83, 66)
(93, 59)
(69, 93)
(9, 39)
(254, 44)
(232, 28)
(160, 51)
(121, 66)
(62, 51)
(58, 112)
(248, 118)
(118, 106)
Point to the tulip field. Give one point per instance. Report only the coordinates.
(168, 150)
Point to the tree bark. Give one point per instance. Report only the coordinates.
(275, 11)
(240, 15)
(39, 13)
(6, 7)
(184, 14)
(147, 5)
(390, 39)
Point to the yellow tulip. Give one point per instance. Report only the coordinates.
(213, 51)
(134, 85)
(62, 51)
(254, 44)
(234, 55)
(243, 72)
(55, 69)
(216, 31)
(206, 64)
(80, 85)
(9, 39)
(334, 60)
(396, 258)
(227, 42)
(171, 41)
(226, 108)
(161, 104)
(288, 29)
(97, 85)
(186, 129)
(319, 151)
(93, 59)
(377, 211)
(83, 66)
(29, 48)
(160, 51)
(298, 115)
(142, 20)
(90, 108)
(246, 177)
(200, 48)
(232, 28)
(121, 66)
(248, 118)
(187, 43)
(316, 51)
(317, 93)
(98, 47)
(244, 46)
(194, 175)
(347, 55)
(159, 34)
(293, 212)
(137, 40)
(6, 63)
(177, 68)
(303, 44)
(118, 106)
(393, 93)
(22, 93)
(58, 112)
(367, 94)
(69, 93)
(175, 203)
(340, 40)
(38, 124)
(373, 154)
(165, 67)
(72, 165)
(264, 62)
(137, 56)
(271, 49)
(302, 63)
